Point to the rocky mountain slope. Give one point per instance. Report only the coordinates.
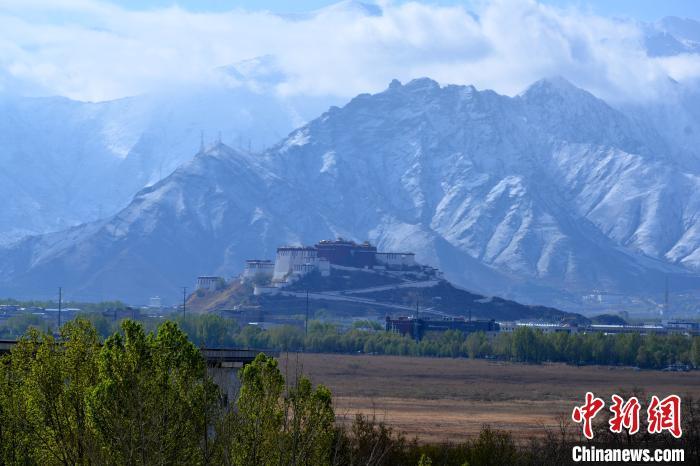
(67, 162)
(372, 294)
(545, 197)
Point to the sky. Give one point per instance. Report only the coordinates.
(97, 50)
(644, 10)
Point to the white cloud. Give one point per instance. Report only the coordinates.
(92, 50)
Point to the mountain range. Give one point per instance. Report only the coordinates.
(546, 197)
(67, 162)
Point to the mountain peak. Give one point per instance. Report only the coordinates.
(347, 7)
(218, 150)
(418, 84)
(262, 71)
(354, 6)
(685, 29)
(558, 89)
(395, 84)
(422, 84)
(552, 85)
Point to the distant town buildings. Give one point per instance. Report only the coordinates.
(664, 328)
(155, 302)
(417, 327)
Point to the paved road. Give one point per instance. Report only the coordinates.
(347, 295)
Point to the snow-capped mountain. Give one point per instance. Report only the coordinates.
(542, 197)
(672, 36)
(66, 162)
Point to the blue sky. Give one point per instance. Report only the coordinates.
(644, 10)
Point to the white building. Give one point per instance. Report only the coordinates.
(155, 302)
(258, 268)
(292, 262)
(290, 256)
(208, 283)
(396, 259)
(320, 263)
(510, 327)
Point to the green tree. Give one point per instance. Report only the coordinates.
(308, 425)
(18, 325)
(476, 344)
(525, 344)
(255, 428)
(695, 352)
(493, 448)
(286, 338)
(104, 326)
(154, 403)
(47, 383)
(15, 431)
(209, 330)
(279, 424)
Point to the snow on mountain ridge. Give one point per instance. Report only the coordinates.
(548, 194)
(67, 162)
(502, 244)
(672, 36)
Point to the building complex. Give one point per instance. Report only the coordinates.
(293, 262)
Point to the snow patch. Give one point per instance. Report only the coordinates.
(329, 162)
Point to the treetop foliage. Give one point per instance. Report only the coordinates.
(145, 398)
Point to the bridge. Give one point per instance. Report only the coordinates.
(215, 357)
(223, 365)
(6, 346)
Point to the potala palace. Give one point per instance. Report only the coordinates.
(293, 262)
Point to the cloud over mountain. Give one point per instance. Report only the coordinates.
(94, 50)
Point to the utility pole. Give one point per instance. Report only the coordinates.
(184, 301)
(417, 324)
(306, 322)
(60, 302)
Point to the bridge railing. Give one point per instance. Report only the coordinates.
(6, 345)
(212, 355)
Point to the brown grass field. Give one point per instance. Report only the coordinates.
(441, 399)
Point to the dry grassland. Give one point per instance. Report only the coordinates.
(441, 399)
